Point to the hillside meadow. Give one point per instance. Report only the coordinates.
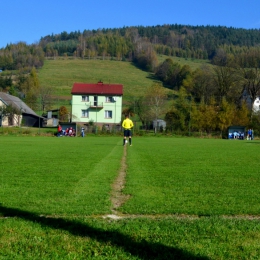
(61, 73)
(192, 63)
(187, 198)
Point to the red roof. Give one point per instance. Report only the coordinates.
(97, 88)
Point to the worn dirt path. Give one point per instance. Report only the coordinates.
(118, 198)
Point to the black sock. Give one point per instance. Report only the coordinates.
(130, 141)
(124, 141)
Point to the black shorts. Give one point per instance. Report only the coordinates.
(127, 132)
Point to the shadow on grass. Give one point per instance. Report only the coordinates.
(143, 250)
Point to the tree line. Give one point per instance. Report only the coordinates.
(180, 40)
(184, 115)
(138, 44)
(21, 56)
(229, 79)
(210, 98)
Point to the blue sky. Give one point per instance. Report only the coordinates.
(30, 20)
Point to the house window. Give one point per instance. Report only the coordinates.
(109, 99)
(108, 114)
(85, 98)
(84, 113)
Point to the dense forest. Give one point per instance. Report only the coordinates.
(139, 44)
(234, 54)
(200, 42)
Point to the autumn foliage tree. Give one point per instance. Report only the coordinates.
(225, 115)
(63, 114)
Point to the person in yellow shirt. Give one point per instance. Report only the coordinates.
(127, 125)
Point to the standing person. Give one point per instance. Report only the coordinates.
(250, 134)
(59, 130)
(127, 125)
(82, 132)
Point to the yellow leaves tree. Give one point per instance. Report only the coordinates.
(63, 114)
(212, 117)
(204, 117)
(225, 115)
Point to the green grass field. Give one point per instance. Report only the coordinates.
(193, 63)
(187, 198)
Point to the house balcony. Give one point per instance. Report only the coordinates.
(96, 105)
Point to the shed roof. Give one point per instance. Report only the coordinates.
(16, 103)
(97, 89)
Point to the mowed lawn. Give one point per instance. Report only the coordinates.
(193, 176)
(55, 196)
(49, 175)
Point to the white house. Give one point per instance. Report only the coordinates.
(97, 102)
(256, 105)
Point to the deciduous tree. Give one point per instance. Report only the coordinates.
(45, 96)
(225, 115)
(30, 88)
(156, 100)
(63, 114)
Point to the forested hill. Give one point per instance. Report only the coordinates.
(139, 44)
(167, 39)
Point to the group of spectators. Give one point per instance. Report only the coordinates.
(241, 135)
(237, 135)
(68, 132)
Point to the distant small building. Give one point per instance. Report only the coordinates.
(51, 118)
(27, 117)
(251, 104)
(256, 105)
(159, 124)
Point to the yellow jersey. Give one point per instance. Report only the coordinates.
(127, 123)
